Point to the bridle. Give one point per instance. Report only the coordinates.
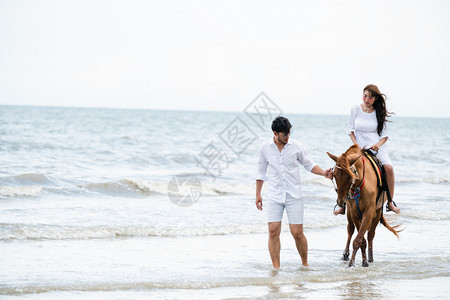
(353, 193)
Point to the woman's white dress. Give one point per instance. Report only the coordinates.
(364, 126)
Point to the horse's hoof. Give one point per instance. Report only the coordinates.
(365, 263)
(371, 260)
(345, 257)
(351, 264)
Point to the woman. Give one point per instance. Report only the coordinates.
(367, 128)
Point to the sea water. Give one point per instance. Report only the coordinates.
(139, 204)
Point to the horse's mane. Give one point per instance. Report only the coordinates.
(343, 159)
(352, 150)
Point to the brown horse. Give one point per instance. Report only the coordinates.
(357, 186)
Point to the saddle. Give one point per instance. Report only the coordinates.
(383, 189)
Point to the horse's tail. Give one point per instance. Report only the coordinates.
(391, 229)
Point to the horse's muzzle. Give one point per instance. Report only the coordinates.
(340, 202)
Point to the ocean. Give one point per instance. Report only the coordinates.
(145, 204)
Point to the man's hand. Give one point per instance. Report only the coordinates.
(258, 202)
(329, 174)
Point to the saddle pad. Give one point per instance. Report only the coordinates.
(381, 199)
(375, 164)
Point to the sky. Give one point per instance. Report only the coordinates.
(309, 57)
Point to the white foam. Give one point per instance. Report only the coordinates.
(150, 187)
(432, 180)
(51, 232)
(55, 232)
(427, 215)
(126, 186)
(17, 191)
(146, 187)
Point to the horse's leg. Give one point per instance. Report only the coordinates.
(371, 234)
(350, 231)
(356, 244)
(363, 252)
(362, 228)
(351, 263)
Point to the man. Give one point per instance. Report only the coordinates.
(279, 164)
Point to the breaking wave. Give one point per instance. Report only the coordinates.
(20, 191)
(53, 232)
(10, 231)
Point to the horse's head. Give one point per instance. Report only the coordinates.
(343, 174)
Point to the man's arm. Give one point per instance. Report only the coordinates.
(260, 177)
(318, 171)
(259, 185)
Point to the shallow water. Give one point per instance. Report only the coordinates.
(85, 211)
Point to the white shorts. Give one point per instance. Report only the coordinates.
(294, 210)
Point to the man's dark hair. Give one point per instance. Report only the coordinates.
(281, 124)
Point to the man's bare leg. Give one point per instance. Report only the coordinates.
(300, 241)
(274, 243)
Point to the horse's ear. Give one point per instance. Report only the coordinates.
(333, 157)
(352, 158)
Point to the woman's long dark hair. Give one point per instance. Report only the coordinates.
(379, 105)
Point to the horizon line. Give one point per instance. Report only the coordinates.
(191, 110)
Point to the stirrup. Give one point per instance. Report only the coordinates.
(343, 211)
(387, 206)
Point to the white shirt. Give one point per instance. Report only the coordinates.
(364, 126)
(282, 169)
